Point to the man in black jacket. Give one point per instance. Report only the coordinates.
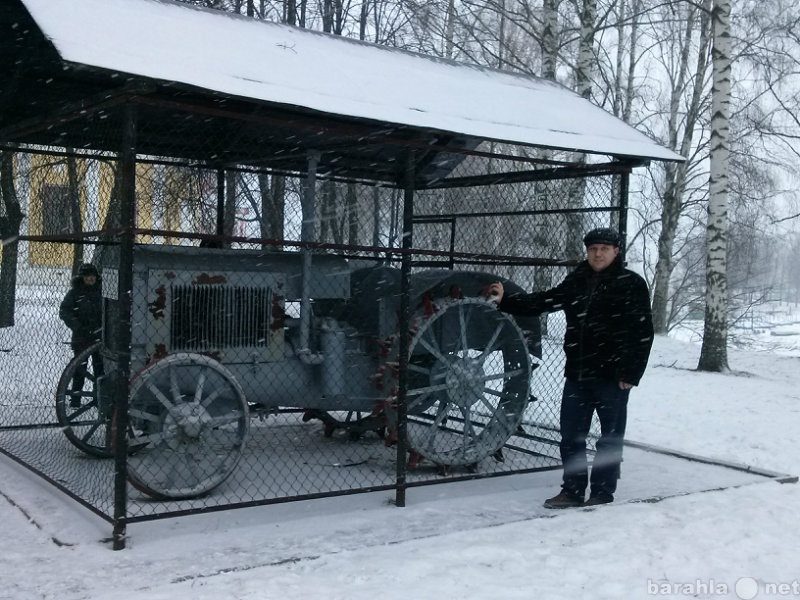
(81, 312)
(607, 344)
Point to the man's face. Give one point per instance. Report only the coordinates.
(601, 256)
(89, 279)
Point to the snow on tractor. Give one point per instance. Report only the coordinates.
(218, 334)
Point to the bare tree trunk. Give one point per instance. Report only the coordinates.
(327, 16)
(108, 254)
(573, 245)
(230, 206)
(586, 58)
(301, 14)
(10, 222)
(272, 207)
(339, 17)
(632, 62)
(670, 212)
(549, 38)
(618, 104)
(449, 29)
(330, 226)
(278, 207)
(75, 211)
(376, 218)
(676, 173)
(352, 214)
(543, 276)
(294, 13)
(273, 197)
(624, 94)
(714, 352)
(362, 20)
(501, 36)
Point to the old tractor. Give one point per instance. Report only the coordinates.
(218, 334)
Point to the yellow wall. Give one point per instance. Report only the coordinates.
(53, 170)
(144, 200)
(50, 170)
(177, 186)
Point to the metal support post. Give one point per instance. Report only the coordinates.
(123, 332)
(403, 327)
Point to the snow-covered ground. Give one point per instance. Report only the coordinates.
(482, 539)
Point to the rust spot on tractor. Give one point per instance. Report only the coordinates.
(157, 306)
(428, 304)
(206, 279)
(160, 351)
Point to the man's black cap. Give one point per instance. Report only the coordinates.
(87, 269)
(601, 235)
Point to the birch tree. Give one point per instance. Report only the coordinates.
(714, 351)
(584, 71)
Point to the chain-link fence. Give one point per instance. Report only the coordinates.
(251, 335)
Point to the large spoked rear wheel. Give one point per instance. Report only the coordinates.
(82, 412)
(188, 421)
(468, 381)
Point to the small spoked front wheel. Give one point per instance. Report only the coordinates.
(82, 411)
(188, 420)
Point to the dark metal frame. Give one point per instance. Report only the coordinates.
(133, 115)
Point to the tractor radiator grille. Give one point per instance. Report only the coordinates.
(206, 317)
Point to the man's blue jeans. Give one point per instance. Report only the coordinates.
(580, 400)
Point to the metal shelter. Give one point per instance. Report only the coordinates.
(154, 83)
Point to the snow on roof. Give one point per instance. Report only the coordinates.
(277, 63)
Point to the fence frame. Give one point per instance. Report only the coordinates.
(141, 121)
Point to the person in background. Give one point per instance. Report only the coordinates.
(607, 344)
(81, 311)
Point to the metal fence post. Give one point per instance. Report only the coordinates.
(404, 325)
(125, 286)
(624, 187)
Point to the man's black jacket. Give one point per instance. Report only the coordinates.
(609, 323)
(81, 312)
